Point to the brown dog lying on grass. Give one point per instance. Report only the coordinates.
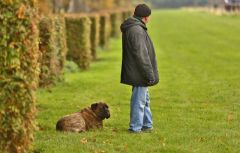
(87, 118)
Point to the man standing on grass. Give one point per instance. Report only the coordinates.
(139, 67)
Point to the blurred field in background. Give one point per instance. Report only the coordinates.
(195, 106)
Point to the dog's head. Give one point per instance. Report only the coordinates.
(101, 110)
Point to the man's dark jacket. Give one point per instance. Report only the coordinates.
(139, 65)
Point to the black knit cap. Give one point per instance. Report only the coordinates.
(142, 10)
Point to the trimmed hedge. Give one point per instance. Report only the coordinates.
(47, 47)
(126, 13)
(105, 29)
(78, 39)
(53, 48)
(18, 74)
(116, 20)
(95, 29)
(61, 40)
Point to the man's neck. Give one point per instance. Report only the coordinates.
(140, 19)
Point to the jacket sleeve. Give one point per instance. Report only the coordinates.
(139, 51)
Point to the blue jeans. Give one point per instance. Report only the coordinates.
(140, 113)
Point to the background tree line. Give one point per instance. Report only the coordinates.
(77, 6)
(176, 3)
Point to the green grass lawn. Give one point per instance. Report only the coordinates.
(196, 105)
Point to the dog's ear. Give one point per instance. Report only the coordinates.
(94, 106)
(106, 105)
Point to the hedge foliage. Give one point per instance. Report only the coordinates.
(61, 40)
(105, 29)
(95, 33)
(78, 39)
(18, 74)
(53, 48)
(126, 13)
(116, 20)
(47, 47)
(23, 66)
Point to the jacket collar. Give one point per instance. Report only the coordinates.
(140, 20)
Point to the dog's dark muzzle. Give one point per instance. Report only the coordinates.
(107, 115)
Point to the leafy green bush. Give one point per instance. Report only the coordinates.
(53, 49)
(60, 27)
(48, 49)
(130, 12)
(126, 13)
(18, 74)
(95, 29)
(105, 29)
(70, 67)
(116, 20)
(78, 39)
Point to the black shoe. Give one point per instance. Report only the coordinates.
(136, 132)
